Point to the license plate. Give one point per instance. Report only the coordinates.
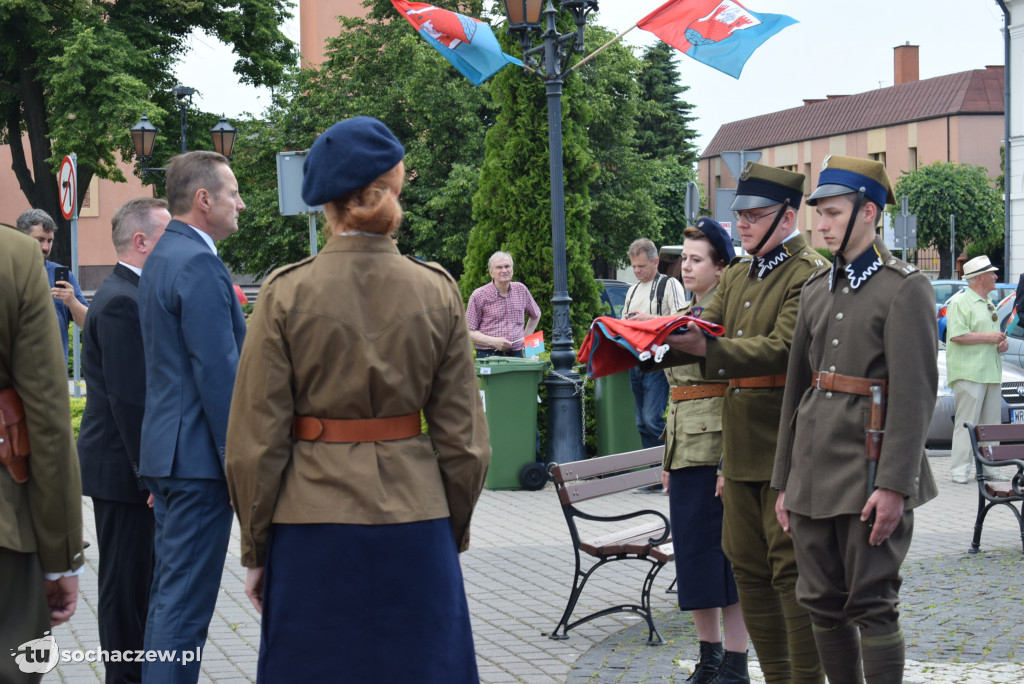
(1017, 415)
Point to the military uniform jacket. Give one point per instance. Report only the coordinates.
(759, 315)
(359, 331)
(884, 328)
(693, 431)
(43, 515)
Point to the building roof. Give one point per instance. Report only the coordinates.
(970, 92)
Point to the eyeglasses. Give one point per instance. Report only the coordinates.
(751, 217)
(992, 309)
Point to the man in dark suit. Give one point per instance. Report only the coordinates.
(108, 443)
(41, 518)
(192, 328)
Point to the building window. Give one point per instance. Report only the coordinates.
(912, 159)
(878, 157)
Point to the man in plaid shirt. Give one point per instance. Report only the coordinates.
(496, 311)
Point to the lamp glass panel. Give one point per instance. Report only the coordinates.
(523, 11)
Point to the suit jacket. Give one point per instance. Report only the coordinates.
(192, 329)
(43, 515)
(390, 351)
(114, 367)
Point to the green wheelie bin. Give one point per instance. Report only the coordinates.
(615, 411)
(508, 388)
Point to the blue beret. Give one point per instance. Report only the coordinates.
(718, 237)
(349, 155)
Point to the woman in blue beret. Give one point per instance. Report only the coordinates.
(351, 517)
(693, 449)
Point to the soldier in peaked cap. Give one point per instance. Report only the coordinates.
(864, 339)
(757, 301)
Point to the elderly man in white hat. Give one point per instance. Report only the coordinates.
(974, 368)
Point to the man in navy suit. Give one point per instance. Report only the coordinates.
(114, 367)
(192, 328)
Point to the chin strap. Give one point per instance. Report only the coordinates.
(771, 229)
(846, 239)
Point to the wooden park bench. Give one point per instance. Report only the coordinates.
(1005, 449)
(650, 542)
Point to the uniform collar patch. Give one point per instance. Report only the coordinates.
(863, 267)
(763, 265)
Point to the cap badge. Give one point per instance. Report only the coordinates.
(824, 162)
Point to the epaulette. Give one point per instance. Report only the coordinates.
(902, 267)
(432, 265)
(286, 268)
(820, 273)
(812, 256)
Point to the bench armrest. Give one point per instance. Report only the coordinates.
(654, 541)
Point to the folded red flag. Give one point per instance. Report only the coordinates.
(626, 342)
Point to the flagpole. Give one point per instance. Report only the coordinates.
(601, 49)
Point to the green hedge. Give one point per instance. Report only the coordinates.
(77, 408)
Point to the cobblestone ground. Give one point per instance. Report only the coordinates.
(961, 612)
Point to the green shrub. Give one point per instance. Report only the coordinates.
(77, 408)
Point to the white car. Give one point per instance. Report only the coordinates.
(940, 433)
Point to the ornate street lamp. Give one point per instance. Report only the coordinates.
(550, 60)
(143, 137)
(223, 137)
(144, 133)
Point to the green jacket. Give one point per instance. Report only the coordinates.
(43, 515)
(759, 316)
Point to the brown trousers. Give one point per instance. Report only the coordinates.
(24, 611)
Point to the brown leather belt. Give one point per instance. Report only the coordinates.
(309, 429)
(760, 382)
(701, 391)
(834, 382)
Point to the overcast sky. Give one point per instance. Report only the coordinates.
(831, 51)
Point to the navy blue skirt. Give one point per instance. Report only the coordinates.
(365, 603)
(703, 573)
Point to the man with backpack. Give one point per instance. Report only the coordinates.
(655, 294)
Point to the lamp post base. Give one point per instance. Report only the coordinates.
(565, 415)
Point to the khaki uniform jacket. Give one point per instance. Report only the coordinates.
(759, 316)
(43, 515)
(693, 431)
(359, 331)
(883, 329)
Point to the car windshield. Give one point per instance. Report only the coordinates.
(944, 291)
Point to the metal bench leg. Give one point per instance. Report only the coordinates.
(653, 637)
(579, 581)
(979, 521)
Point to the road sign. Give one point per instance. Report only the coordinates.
(691, 204)
(736, 161)
(67, 187)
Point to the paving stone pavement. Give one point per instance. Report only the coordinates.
(961, 612)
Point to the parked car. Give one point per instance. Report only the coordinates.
(996, 296)
(613, 297)
(944, 289)
(1014, 336)
(940, 433)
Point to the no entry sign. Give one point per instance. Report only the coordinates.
(67, 182)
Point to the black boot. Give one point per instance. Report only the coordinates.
(707, 667)
(733, 669)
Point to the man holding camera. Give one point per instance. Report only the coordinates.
(69, 301)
